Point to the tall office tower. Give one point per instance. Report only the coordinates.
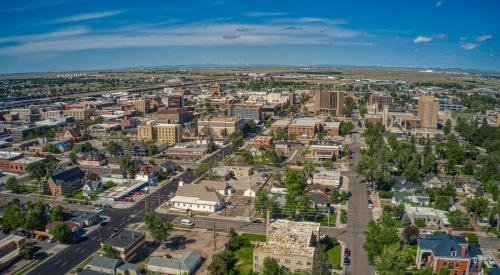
(328, 101)
(427, 111)
(142, 105)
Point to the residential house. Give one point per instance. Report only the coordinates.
(402, 185)
(127, 244)
(319, 201)
(84, 218)
(76, 230)
(433, 218)
(103, 264)
(418, 199)
(187, 264)
(91, 188)
(449, 251)
(148, 173)
(66, 182)
(93, 159)
(326, 176)
(432, 180)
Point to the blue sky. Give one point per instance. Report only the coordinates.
(55, 35)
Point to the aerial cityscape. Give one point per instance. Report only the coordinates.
(225, 137)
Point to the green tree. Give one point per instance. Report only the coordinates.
(56, 213)
(447, 127)
(348, 107)
(236, 139)
(458, 219)
(444, 271)
(472, 238)
(159, 230)
(346, 127)
(410, 233)
(235, 241)
(34, 216)
(379, 234)
(321, 263)
(222, 263)
(12, 216)
(12, 185)
(26, 251)
(111, 147)
(271, 267)
(72, 157)
(62, 233)
(152, 149)
(424, 271)
(412, 170)
(477, 206)
(127, 164)
(108, 251)
(394, 260)
(468, 167)
(428, 158)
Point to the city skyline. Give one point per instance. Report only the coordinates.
(64, 35)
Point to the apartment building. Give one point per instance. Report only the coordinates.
(332, 129)
(142, 105)
(175, 101)
(427, 111)
(329, 101)
(78, 113)
(220, 124)
(161, 132)
(127, 244)
(172, 115)
(292, 244)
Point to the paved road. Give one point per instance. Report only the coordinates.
(119, 218)
(358, 215)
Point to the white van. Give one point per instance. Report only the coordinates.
(187, 222)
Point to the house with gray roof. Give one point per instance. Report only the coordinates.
(127, 244)
(187, 264)
(417, 199)
(104, 264)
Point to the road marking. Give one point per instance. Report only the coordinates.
(76, 250)
(83, 250)
(93, 238)
(64, 264)
(58, 262)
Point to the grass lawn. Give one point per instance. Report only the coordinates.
(334, 256)
(254, 237)
(244, 256)
(324, 219)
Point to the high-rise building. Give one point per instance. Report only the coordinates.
(428, 108)
(173, 115)
(328, 101)
(142, 105)
(175, 101)
(381, 99)
(220, 126)
(246, 111)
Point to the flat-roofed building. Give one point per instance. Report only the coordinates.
(292, 244)
(142, 105)
(280, 124)
(325, 150)
(246, 111)
(427, 111)
(326, 176)
(329, 101)
(332, 129)
(167, 133)
(15, 161)
(161, 132)
(380, 99)
(127, 244)
(173, 115)
(303, 128)
(220, 124)
(78, 113)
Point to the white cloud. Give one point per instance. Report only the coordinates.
(469, 46)
(193, 34)
(439, 3)
(45, 36)
(482, 38)
(86, 16)
(316, 20)
(265, 14)
(422, 39)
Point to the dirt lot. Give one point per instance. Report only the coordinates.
(201, 241)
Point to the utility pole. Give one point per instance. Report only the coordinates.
(227, 221)
(215, 245)
(328, 216)
(145, 205)
(267, 223)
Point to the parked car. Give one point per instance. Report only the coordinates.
(51, 240)
(187, 222)
(347, 261)
(491, 261)
(347, 252)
